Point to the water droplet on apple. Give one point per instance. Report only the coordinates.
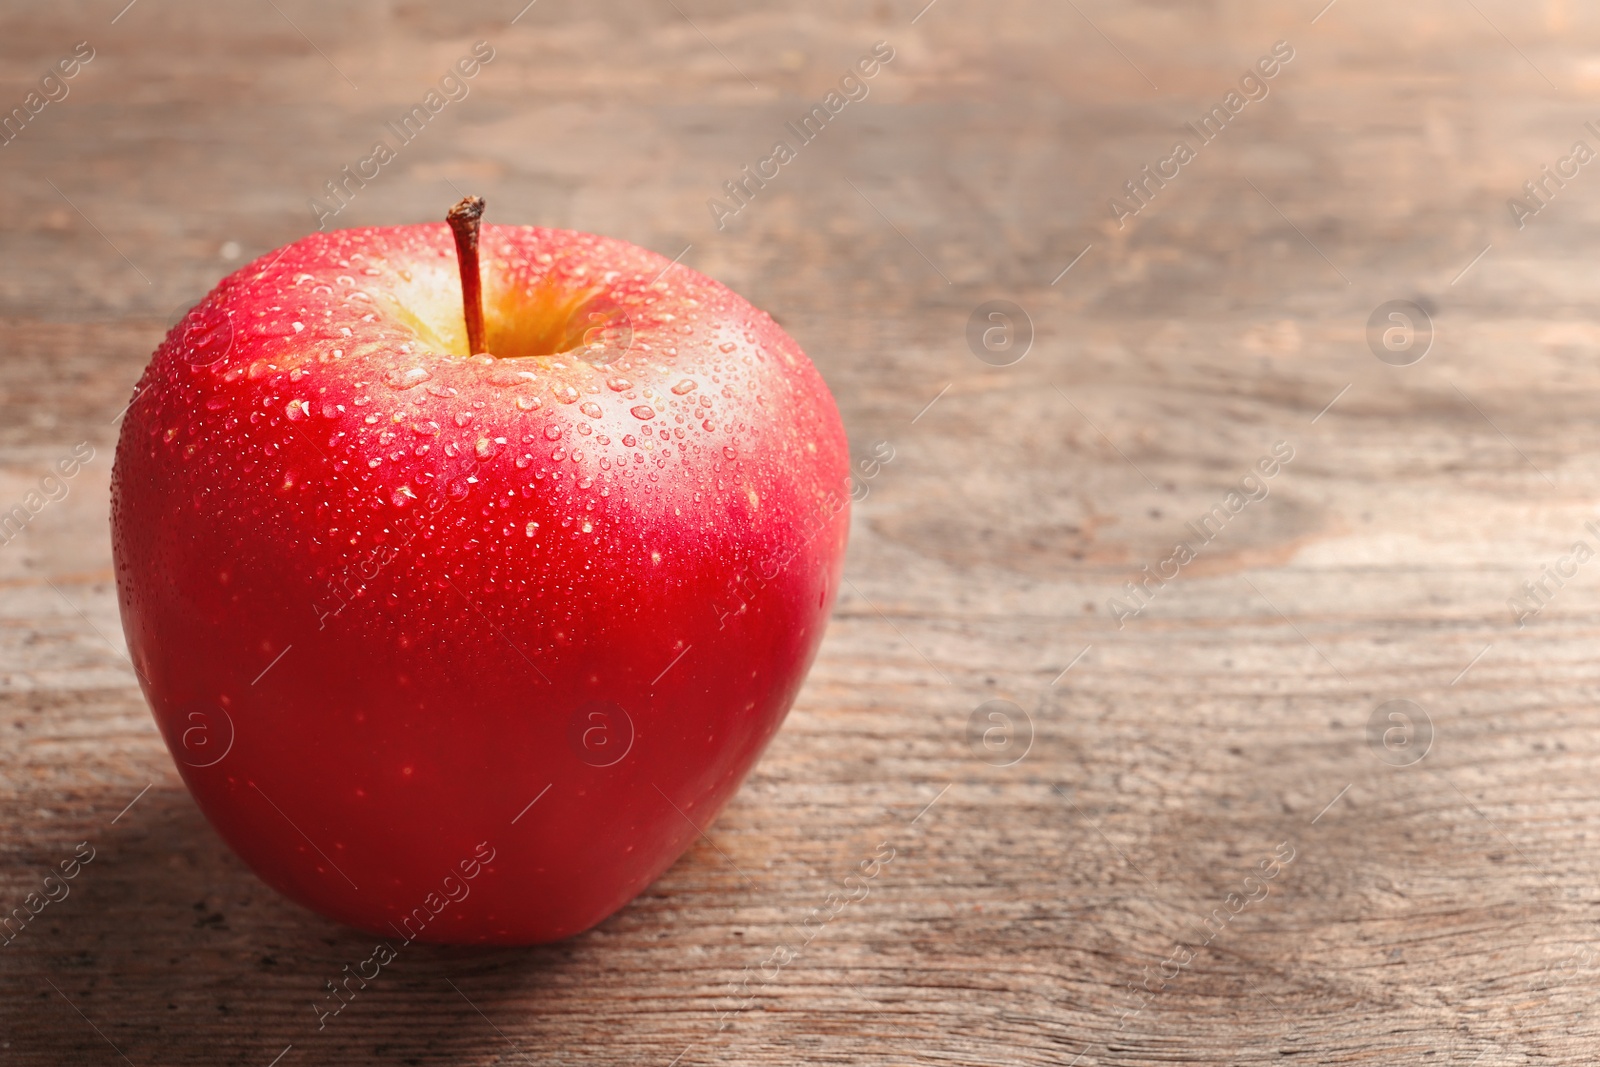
(463, 417)
(269, 328)
(619, 385)
(527, 403)
(643, 411)
(591, 409)
(628, 440)
(552, 432)
(405, 377)
(206, 336)
(504, 375)
(726, 346)
(425, 429)
(729, 453)
(688, 385)
(296, 410)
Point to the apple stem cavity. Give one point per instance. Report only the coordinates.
(464, 220)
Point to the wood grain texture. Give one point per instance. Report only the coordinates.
(1441, 912)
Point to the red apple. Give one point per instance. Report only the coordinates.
(468, 648)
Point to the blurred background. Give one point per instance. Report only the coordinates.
(1049, 896)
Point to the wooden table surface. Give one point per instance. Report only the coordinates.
(1101, 898)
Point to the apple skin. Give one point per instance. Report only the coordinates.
(381, 595)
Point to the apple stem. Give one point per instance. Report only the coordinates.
(464, 220)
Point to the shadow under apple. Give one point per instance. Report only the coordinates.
(174, 952)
